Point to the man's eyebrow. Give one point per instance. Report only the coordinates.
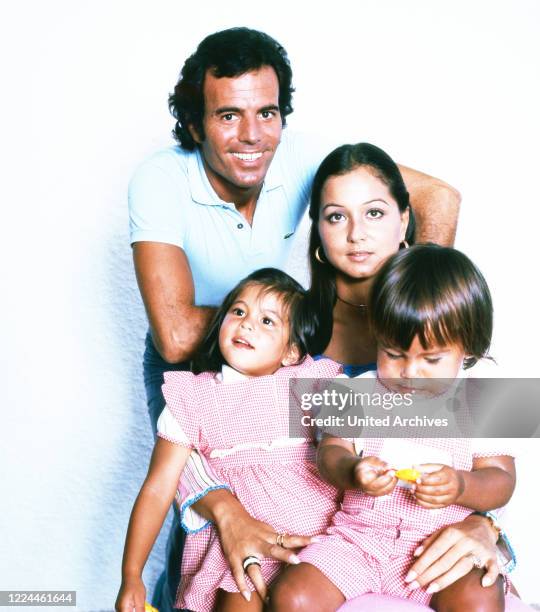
(236, 109)
(227, 109)
(269, 107)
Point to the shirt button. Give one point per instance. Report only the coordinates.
(240, 226)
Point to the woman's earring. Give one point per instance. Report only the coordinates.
(403, 244)
(318, 255)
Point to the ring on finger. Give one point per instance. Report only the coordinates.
(279, 539)
(477, 562)
(251, 560)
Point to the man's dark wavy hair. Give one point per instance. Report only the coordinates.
(228, 53)
(270, 280)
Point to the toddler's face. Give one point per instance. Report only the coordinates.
(254, 336)
(435, 362)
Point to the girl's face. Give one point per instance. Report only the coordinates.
(360, 224)
(435, 362)
(254, 336)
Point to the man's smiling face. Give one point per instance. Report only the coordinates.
(242, 129)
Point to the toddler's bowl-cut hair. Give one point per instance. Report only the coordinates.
(270, 280)
(435, 293)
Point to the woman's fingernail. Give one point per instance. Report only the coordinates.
(247, 595)
(315, 539)
(410, 576)
(413, 585)
(294, 559)
(487, 581)
(432, 588)
(418, 551)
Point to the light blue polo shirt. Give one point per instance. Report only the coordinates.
(172, 201)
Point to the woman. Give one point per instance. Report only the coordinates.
(360, 216)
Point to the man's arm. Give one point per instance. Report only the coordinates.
(435, 205)
(166, 285)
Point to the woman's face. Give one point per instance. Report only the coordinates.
(360, 224)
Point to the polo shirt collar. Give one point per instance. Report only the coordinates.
(202, 191)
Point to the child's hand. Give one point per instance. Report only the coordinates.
(438, 486)
(131, 596)
(374, 476)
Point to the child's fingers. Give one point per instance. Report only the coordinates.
(385, 490)
(383, 485)
(432, 473)
(432, 502)
(433, 491)
(367, 477)
(429, 468)
(384, 481)
(374, 462)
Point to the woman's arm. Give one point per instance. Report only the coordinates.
(435, 205)
(147, 516)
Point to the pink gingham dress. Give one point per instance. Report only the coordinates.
(369, 546)
(242, 430)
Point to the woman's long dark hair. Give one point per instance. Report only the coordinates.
(345, 159)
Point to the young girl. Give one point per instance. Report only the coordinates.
(236, 414)
(431, 314)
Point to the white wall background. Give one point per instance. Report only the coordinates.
(450, 88)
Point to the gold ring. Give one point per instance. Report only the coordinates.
(279, 539)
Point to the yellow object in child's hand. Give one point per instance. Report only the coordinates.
(408, 474)
(149, 608)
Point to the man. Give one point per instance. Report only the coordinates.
(229, 199)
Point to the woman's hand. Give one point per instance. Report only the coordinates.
(131, 596)
(242, 536)
(450, 553)
(374, 477)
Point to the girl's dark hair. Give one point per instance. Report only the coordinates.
(435, 293)
(341, 161)
(270, 280)
(228, 53)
